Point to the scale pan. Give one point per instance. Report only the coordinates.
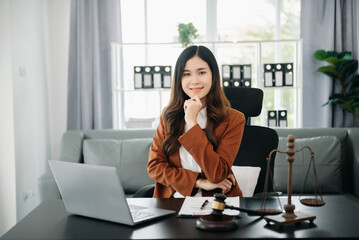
(268, 211)
(312, 202)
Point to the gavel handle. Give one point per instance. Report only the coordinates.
(246, 210)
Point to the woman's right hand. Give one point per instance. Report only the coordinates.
(225, 185)
(191, 108)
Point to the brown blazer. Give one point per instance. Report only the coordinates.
(215, 165)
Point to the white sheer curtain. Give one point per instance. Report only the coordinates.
(94, 25)
(329, 25)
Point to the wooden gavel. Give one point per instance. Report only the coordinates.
(217, 221)
(219, 205)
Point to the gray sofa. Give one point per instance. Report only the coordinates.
(336, 157)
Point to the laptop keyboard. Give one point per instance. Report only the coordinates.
(139, 215)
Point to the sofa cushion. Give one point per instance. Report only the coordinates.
(133, 165)
(129, 156)
(105, 152)
(327, 157)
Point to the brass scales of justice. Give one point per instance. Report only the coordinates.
(217, 221)
(291, 216)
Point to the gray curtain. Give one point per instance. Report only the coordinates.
(329, 25)
(94, 25)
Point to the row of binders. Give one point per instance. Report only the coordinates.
(278, 74)
(239, 75)
(277, 118)
(275, 75)
(152, 76)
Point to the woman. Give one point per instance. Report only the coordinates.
(199, 134)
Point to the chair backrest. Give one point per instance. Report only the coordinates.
(247, 100)
(257, 141)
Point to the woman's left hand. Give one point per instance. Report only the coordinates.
(225, 185)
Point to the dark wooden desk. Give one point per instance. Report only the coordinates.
(339, 218)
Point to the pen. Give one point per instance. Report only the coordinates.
(204, 204)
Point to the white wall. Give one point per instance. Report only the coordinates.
(7, 146)
(33, 63)
(58, 39)
(30, 99)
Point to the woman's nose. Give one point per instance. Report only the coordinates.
(195, 79)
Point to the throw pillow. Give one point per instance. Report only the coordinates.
(327, 155)
(129, 156)
(105, 152)
(247, 178)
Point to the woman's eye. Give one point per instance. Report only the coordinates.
(201, 73)
(186, 74)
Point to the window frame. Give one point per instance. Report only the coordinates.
(211, 38)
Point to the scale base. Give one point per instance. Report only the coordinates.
(216, 223)
(281, 220)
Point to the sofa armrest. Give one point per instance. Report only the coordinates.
(47, 186)
(353, 142)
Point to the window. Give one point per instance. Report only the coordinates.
(149, 33)
(258, 20)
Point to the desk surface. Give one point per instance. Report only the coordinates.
(339, 218)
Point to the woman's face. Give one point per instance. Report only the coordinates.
(196, 78)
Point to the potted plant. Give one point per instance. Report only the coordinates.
(343, 68)
(187, 32)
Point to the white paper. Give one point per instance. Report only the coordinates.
(279, 78)
(192, 206)
(268, 79)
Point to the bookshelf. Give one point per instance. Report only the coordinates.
(144, 106)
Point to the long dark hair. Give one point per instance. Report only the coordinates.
(217, 103)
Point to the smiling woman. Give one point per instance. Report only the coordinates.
(197, 79)
(199, 134)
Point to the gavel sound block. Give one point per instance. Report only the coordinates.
(217, 221)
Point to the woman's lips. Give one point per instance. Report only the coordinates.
(196, 89)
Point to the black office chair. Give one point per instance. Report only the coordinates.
(257, 141)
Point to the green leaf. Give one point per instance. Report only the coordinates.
(333, 61)
(327, 70)
(347, 68)
(346, 105)
(328, 102)
(332, 100)
(355, 79)
(320, 55)
(354, 89)
(343, 63)
(345, 55)
(332, 54)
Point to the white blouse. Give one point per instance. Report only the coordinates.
(187, 160)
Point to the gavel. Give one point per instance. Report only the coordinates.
(217, 221)
(219, 205)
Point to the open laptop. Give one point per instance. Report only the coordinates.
(96, 191)
(255, 203)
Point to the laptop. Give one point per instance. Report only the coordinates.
(96, 191)
(255, 203)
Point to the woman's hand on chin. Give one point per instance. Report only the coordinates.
(191, 109)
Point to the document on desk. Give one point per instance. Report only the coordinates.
(199, 206)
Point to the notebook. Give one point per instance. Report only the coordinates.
(96, 191)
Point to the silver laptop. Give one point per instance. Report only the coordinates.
(96, 191)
